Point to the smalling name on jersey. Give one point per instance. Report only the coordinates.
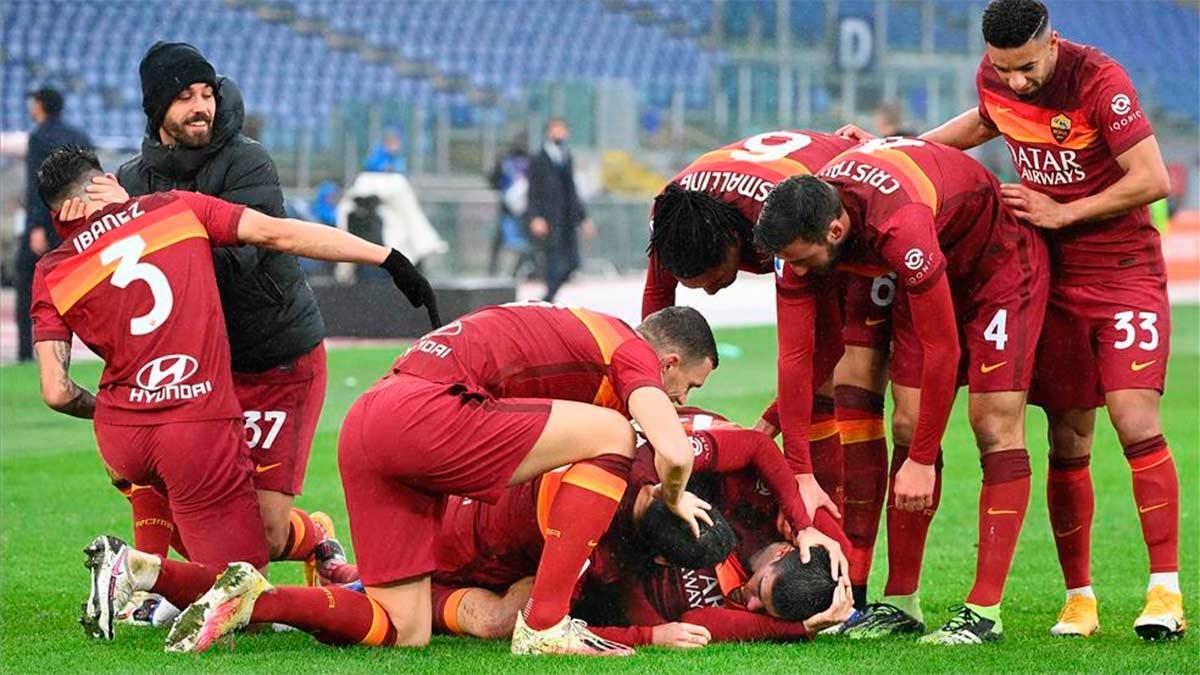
(750, 187)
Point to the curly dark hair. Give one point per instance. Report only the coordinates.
(692, 231)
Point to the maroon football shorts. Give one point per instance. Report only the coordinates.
(867, 310)
(404, 446)
(281, 407)
(1100, 338)
(998, 326)
(204, 468)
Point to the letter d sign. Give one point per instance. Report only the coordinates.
(856, 43)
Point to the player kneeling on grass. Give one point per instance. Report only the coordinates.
(490, 401)
(135, 282)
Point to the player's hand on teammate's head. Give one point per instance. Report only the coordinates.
(679, 635)
(72, 209)
(839, 567)
(412, 284)
(839, 610)
(691, 510)
(854, 133)
(106, 189)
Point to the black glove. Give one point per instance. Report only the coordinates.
(412, 284)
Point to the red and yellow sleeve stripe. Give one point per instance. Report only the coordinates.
(72, 280)
(608, 336)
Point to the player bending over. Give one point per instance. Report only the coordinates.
(484, 551)
(487, 402)
(974, 275)
(702, 235)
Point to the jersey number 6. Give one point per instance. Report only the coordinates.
(126, 253)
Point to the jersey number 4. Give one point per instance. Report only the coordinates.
(126, 254)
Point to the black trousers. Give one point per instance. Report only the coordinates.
(562, 258)
(24, 282)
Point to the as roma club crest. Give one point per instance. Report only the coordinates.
(1060, 127)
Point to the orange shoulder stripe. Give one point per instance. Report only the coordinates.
(69, 282)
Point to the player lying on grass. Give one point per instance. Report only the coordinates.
(485, 551)
(702, 236)
(490, 401)
(134, 281)
(974, 275)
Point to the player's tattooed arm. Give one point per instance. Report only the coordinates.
(59, 391)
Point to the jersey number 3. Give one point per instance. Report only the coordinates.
(126, 253)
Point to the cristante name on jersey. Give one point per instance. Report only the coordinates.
(1043, 166)
(109, 222)
(863, 173)
(746, 185)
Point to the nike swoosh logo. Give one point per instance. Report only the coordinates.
(592, 543)
(1135, 366)
(1148, 509)
(263, 469)
(999, 512)
(985, 368)
(1002, 109)
(1068, 532)
(875, 322)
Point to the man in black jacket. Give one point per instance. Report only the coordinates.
(555, 210)
(194, 142)
(45, 107)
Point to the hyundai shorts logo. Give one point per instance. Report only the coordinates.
(914, 259)
(166, 371)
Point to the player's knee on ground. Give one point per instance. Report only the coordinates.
(409, 607)
(276, 523)
(1134, 414)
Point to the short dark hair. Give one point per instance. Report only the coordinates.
(666, 534)
(64, 172)
(1012, 23)
(683, 330)
(799, 207)
(802, 589)
(50, 99)
(692, 231)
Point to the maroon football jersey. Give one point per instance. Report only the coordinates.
(491, 545)
(135, 282)
(1064, 143)
(921, 209)
(537, 350)
(742, 174)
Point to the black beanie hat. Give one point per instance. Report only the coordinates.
(167, 69)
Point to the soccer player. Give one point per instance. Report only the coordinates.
(702, 235)
(493, 400)
(1089, 164)
(485, 550)
(135, 282)
(973, 274)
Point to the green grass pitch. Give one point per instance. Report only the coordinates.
(54, 498)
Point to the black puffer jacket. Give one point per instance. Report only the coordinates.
(270, 311)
